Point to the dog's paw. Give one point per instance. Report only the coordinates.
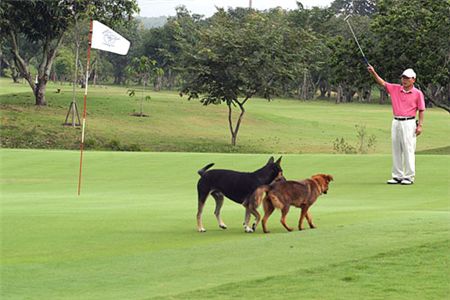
(201, 230)
(248, 229)
(223, 226)
(254, 226)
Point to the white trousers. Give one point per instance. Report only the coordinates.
(403, 149)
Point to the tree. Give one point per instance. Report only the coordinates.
(348, 72)
(120, 62)
(315, 75)
(234, 58)
(165, 44)
(29, 51)
(64, 64)
(45, 23)
(414, 34)
(354, 7)
(144, 68)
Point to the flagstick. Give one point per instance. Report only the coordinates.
(84, 109)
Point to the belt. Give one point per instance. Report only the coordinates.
(404, 118)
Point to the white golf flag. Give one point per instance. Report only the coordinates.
(106, 39)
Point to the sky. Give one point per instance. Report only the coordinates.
(157, 8)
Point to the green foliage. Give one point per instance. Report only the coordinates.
(65, 64)
(46, 22)
(235, 58)
(240, 54)
(281, 126)
(347, 66)
(354, 7)
(364, 144)
(115, 145)
(341, 146)
(414, 34)
(144, 68)
(275, 52)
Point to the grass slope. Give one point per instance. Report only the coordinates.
(175, 124)
(131, 234)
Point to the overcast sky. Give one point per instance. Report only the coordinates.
(157, 8)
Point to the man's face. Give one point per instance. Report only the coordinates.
(407, 82)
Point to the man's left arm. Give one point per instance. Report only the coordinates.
(419, 127)
(421, 109)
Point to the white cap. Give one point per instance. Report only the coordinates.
(409, 73)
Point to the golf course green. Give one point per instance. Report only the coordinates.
(131, 234)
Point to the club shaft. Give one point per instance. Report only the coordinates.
(356, 40)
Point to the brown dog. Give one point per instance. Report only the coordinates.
(283, 194)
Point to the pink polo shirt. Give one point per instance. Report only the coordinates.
(405, 103)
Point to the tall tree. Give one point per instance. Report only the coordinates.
(414, 34)
(354, 7)
(316, 73)
(239, 55)
(45, 23)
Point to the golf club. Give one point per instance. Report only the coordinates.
(356, 40)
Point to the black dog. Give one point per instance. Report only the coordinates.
(237, 186)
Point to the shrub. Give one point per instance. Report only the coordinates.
(364, 143)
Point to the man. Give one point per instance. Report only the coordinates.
(406, 101)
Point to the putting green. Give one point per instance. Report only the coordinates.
(132, 232)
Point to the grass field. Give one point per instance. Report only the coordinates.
(178, 125)
(131, 234)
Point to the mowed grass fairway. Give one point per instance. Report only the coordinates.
(178, 125)
(132, 232)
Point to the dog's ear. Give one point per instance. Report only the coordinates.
(278, 160)
(329, 178)
(271, 159)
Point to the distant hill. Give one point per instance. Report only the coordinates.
(152, 22)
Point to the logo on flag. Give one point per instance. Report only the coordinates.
(106, 39)
(109, 38)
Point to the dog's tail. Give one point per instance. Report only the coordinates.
(255, 200)
(204, 169)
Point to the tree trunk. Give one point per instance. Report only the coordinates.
(14, 74)
(169, 80)
(339, 95)
(323, 87)
(368, 95)
(158, 83)
(234, 132)
(383, 96)
(48, 56)
(39, 93)
(142, 97)
(323, 91)
(348, 94)
(304, 89)
(12, 67)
